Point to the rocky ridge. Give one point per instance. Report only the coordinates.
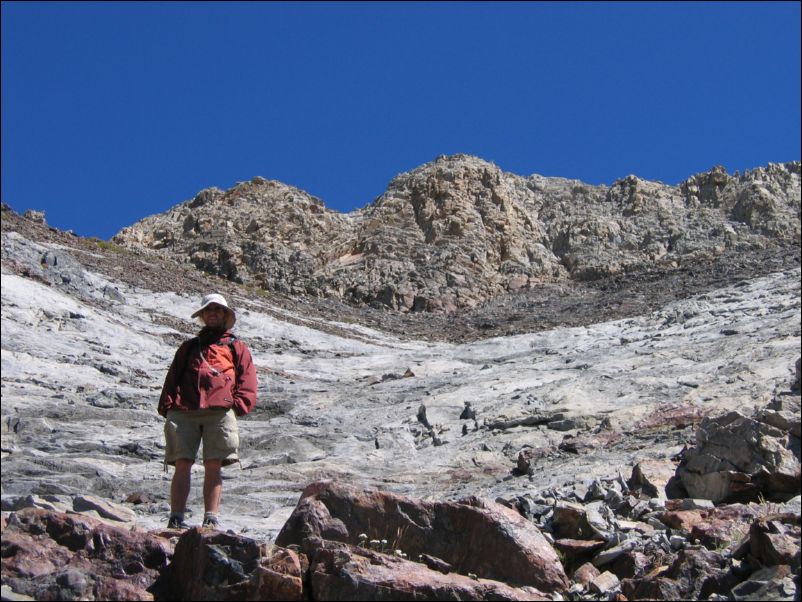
(457, 232)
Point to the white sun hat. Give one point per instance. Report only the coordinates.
(221, 301)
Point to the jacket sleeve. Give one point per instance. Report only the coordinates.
(170, 391)
(246, 385)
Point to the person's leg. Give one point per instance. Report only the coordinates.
(179, 488)
(182, 437)
(212, 485)
(220, 443)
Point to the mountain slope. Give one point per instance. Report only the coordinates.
(88, 334)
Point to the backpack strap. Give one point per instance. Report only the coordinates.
(233, 355)
(233, 349)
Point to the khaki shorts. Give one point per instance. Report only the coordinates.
(183, 432)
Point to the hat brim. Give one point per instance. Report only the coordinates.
(230, 320)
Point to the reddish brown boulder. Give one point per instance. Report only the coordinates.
(576, 550)
(472, 535)
(586, 443)
(212, 565)
(56, 556)
(631, 564)
(280, 574)
(725, 526)
(586, 573)
(577, 521)
(657, 588)
(683, 519)
(715, 528)
(340, 571)
(774, 540)
(529, 456)
(568, 519)
(604, 583)
(701, 573)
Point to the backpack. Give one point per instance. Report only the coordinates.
(195, 343)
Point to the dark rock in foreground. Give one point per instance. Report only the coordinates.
(55, 556)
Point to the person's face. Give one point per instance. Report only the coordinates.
(214, 315)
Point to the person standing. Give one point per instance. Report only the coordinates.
(211, 381)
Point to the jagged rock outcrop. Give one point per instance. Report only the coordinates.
(260, 231)
(741, 458)
(458, 231)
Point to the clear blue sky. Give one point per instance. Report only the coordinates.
(115, 111)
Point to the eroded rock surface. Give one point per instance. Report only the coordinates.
(459, 231)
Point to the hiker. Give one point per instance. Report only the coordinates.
(211, 381)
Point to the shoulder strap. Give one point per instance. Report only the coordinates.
(233, 351)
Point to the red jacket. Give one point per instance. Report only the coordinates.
(214, 380)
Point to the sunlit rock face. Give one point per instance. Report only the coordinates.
(458, 231)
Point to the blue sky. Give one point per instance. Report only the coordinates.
(115, 111)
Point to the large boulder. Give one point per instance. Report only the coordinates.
(473, 536)
(737, 458)
(57, 556)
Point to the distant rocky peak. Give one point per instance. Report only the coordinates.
(453, 194)
(457, 231)
(204, 197)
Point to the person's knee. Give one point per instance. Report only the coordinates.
(212, 465)
(183, 465)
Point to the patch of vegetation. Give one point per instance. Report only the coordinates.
(384, 546)
(256, 291)
(106, 245)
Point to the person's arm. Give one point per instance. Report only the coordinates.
(245, 387)
(171, 381)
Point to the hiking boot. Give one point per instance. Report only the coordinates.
(176, 522)
(211, 522)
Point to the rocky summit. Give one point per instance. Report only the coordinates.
(459, 231)
(481, 386)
